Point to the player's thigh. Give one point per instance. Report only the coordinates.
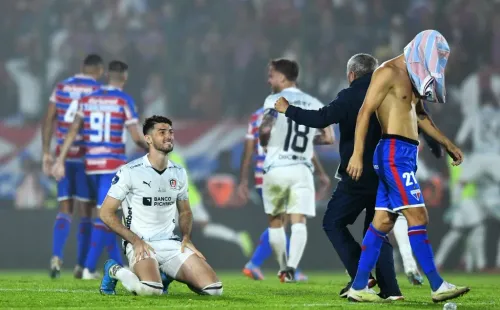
(196, 272)
(416, 216)
(276, 191)
(302, 198)
(403, 188)
(145, 269)
(169, 256)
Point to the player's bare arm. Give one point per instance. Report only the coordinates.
(58, 170)
(47, 132)
(246, 160)
(325, 137)
(137, 136)
(322, 175)
(381, 83)
(185, 226)
(108, 216)
(427, 125)
(265, 128)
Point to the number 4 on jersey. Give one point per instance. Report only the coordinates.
(299, 134)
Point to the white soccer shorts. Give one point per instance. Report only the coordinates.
(168, 255)
(289, 189)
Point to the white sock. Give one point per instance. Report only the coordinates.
(132, 283)
(219, 231)
(277, 239)
(129, 280)
(401, 234)
(298, 241)
(447, 243)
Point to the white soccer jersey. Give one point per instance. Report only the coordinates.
(150, 196)
(290, 143)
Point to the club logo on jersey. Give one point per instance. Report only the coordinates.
(147, 201)
(148, 184)
(173, 183)
(115, 180)
(416, 193)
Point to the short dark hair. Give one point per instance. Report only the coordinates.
(150, 122)
(289, 68)
(93, 60)
(117, 66)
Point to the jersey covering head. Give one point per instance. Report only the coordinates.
(290, 143)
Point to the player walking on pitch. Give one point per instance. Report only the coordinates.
(395, 93)
(288, 184)
(153, 189)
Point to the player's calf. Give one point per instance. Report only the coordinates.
(144, 281)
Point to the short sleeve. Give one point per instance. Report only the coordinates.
(121, 184)
(184, 192)
(131, 116)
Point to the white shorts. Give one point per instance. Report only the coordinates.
(289, 190)
(168, 255)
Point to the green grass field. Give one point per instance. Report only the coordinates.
(36, 290)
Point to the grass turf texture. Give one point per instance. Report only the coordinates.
(37, 290)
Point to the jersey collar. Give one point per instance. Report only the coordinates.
(148, 164)
(293, 89)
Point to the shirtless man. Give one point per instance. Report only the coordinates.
(395, 93)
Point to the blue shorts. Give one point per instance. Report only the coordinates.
(395, 162)
(99, 186)
(74, 185)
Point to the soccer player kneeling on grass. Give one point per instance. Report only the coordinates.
(150, 189)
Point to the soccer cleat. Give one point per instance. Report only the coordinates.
(55, 267)
(253, 272)
(391, 298)
(448, 291)
(165, 280)
(78, 272)
(87, 275)
(245, 242)
(300, 276)
(364, 295)
(415, 278)
(287, 275)
(108, 283)
(343, 292)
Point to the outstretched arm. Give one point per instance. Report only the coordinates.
(427, 125)
(380, 85)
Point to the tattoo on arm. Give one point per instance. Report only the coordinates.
(265, 129)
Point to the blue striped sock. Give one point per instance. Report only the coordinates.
(60, 234)
(423, 252)
(83, 239)
(97, 244)
(370, 250)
